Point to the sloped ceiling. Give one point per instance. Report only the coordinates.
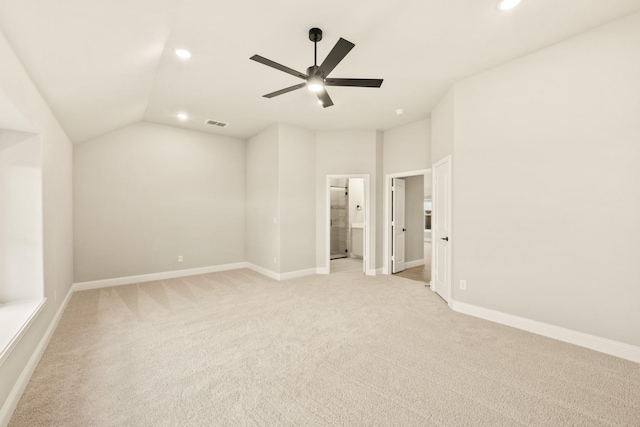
(102, 65)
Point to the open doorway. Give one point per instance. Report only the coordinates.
(407, 248)
(348, 215)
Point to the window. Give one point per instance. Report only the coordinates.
(427, 214)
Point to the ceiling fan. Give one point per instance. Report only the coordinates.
(317, 77)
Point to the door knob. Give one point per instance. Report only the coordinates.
(446, 239)
(404, 229)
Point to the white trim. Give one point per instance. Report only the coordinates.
(105, 283)
(386, 253)
(297, 273)
(23, 313)
(322, 270)
(263, 271)
(97, 284)
(377, 272)
(414, 263)
(603, 345)
(23, 380)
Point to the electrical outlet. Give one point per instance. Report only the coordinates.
(275, 260)
(180, 258)
(463, 285)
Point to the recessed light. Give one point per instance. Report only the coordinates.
(320, 102)
(183, 53)
(508, 4)
(400, 111)
(182, 116)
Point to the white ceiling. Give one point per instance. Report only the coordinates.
(102, 65)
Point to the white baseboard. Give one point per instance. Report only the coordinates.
(97, 284)
(414, 263)
(298, 273)
(105, 283)
(21, 384)
(603, 345)
(370, 272)
(282, 276)
(264, 271)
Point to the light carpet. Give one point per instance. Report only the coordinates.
(238, 349)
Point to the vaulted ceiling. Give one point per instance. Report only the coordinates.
(102, 65)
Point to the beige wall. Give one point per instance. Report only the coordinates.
(546, 183)
(414, 218)
(17, 89)
(442, 134)
(377, 200)
(263, 210)
(147, 193)
(408, 148)
(281, 199)
(297, 198)
(21, 246)
(428, 181)
(347, 152)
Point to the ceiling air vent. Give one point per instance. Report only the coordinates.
(215, 123)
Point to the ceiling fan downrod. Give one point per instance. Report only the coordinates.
(315, 35)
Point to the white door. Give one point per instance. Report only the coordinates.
(441, 229)
(397, 224)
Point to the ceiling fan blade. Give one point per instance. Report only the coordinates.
(336, 55)
(285, 90)
(325, 99)
(354, 82)
(277, 66)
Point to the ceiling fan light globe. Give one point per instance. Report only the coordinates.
(508, 4)
(183, 53)
(315, 84)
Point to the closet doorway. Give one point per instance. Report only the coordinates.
(407, 246)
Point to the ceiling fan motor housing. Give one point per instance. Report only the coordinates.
(315, 35)
(312, 70)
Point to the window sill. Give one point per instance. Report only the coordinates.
(15, 320)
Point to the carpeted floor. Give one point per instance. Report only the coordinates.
(238, 349)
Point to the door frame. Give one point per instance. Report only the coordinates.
(387, 240)
(448, 161)
(366, 259)
(397, 183)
